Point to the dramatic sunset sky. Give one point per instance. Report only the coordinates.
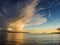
(51, 11)
(31, 15)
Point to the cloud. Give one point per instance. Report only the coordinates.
(49, 14)
(37, 20)
(17, 14)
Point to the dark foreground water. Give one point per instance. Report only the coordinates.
(29, 39)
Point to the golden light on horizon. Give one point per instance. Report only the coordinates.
(16, 26)
(16, 38)
(42, 31)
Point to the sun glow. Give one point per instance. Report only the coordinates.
(16, 26)
(19, 22)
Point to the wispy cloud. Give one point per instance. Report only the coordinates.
(21, 13)
(37, 20)
(17, 13)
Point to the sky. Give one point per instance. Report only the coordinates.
(30, 14)
(51, 11)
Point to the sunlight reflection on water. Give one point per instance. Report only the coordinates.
(29, 39)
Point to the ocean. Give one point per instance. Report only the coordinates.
(29, 39)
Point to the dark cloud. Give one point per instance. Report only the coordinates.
(14, 10)
(10, 10)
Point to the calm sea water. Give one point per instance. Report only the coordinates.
(29, 39)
